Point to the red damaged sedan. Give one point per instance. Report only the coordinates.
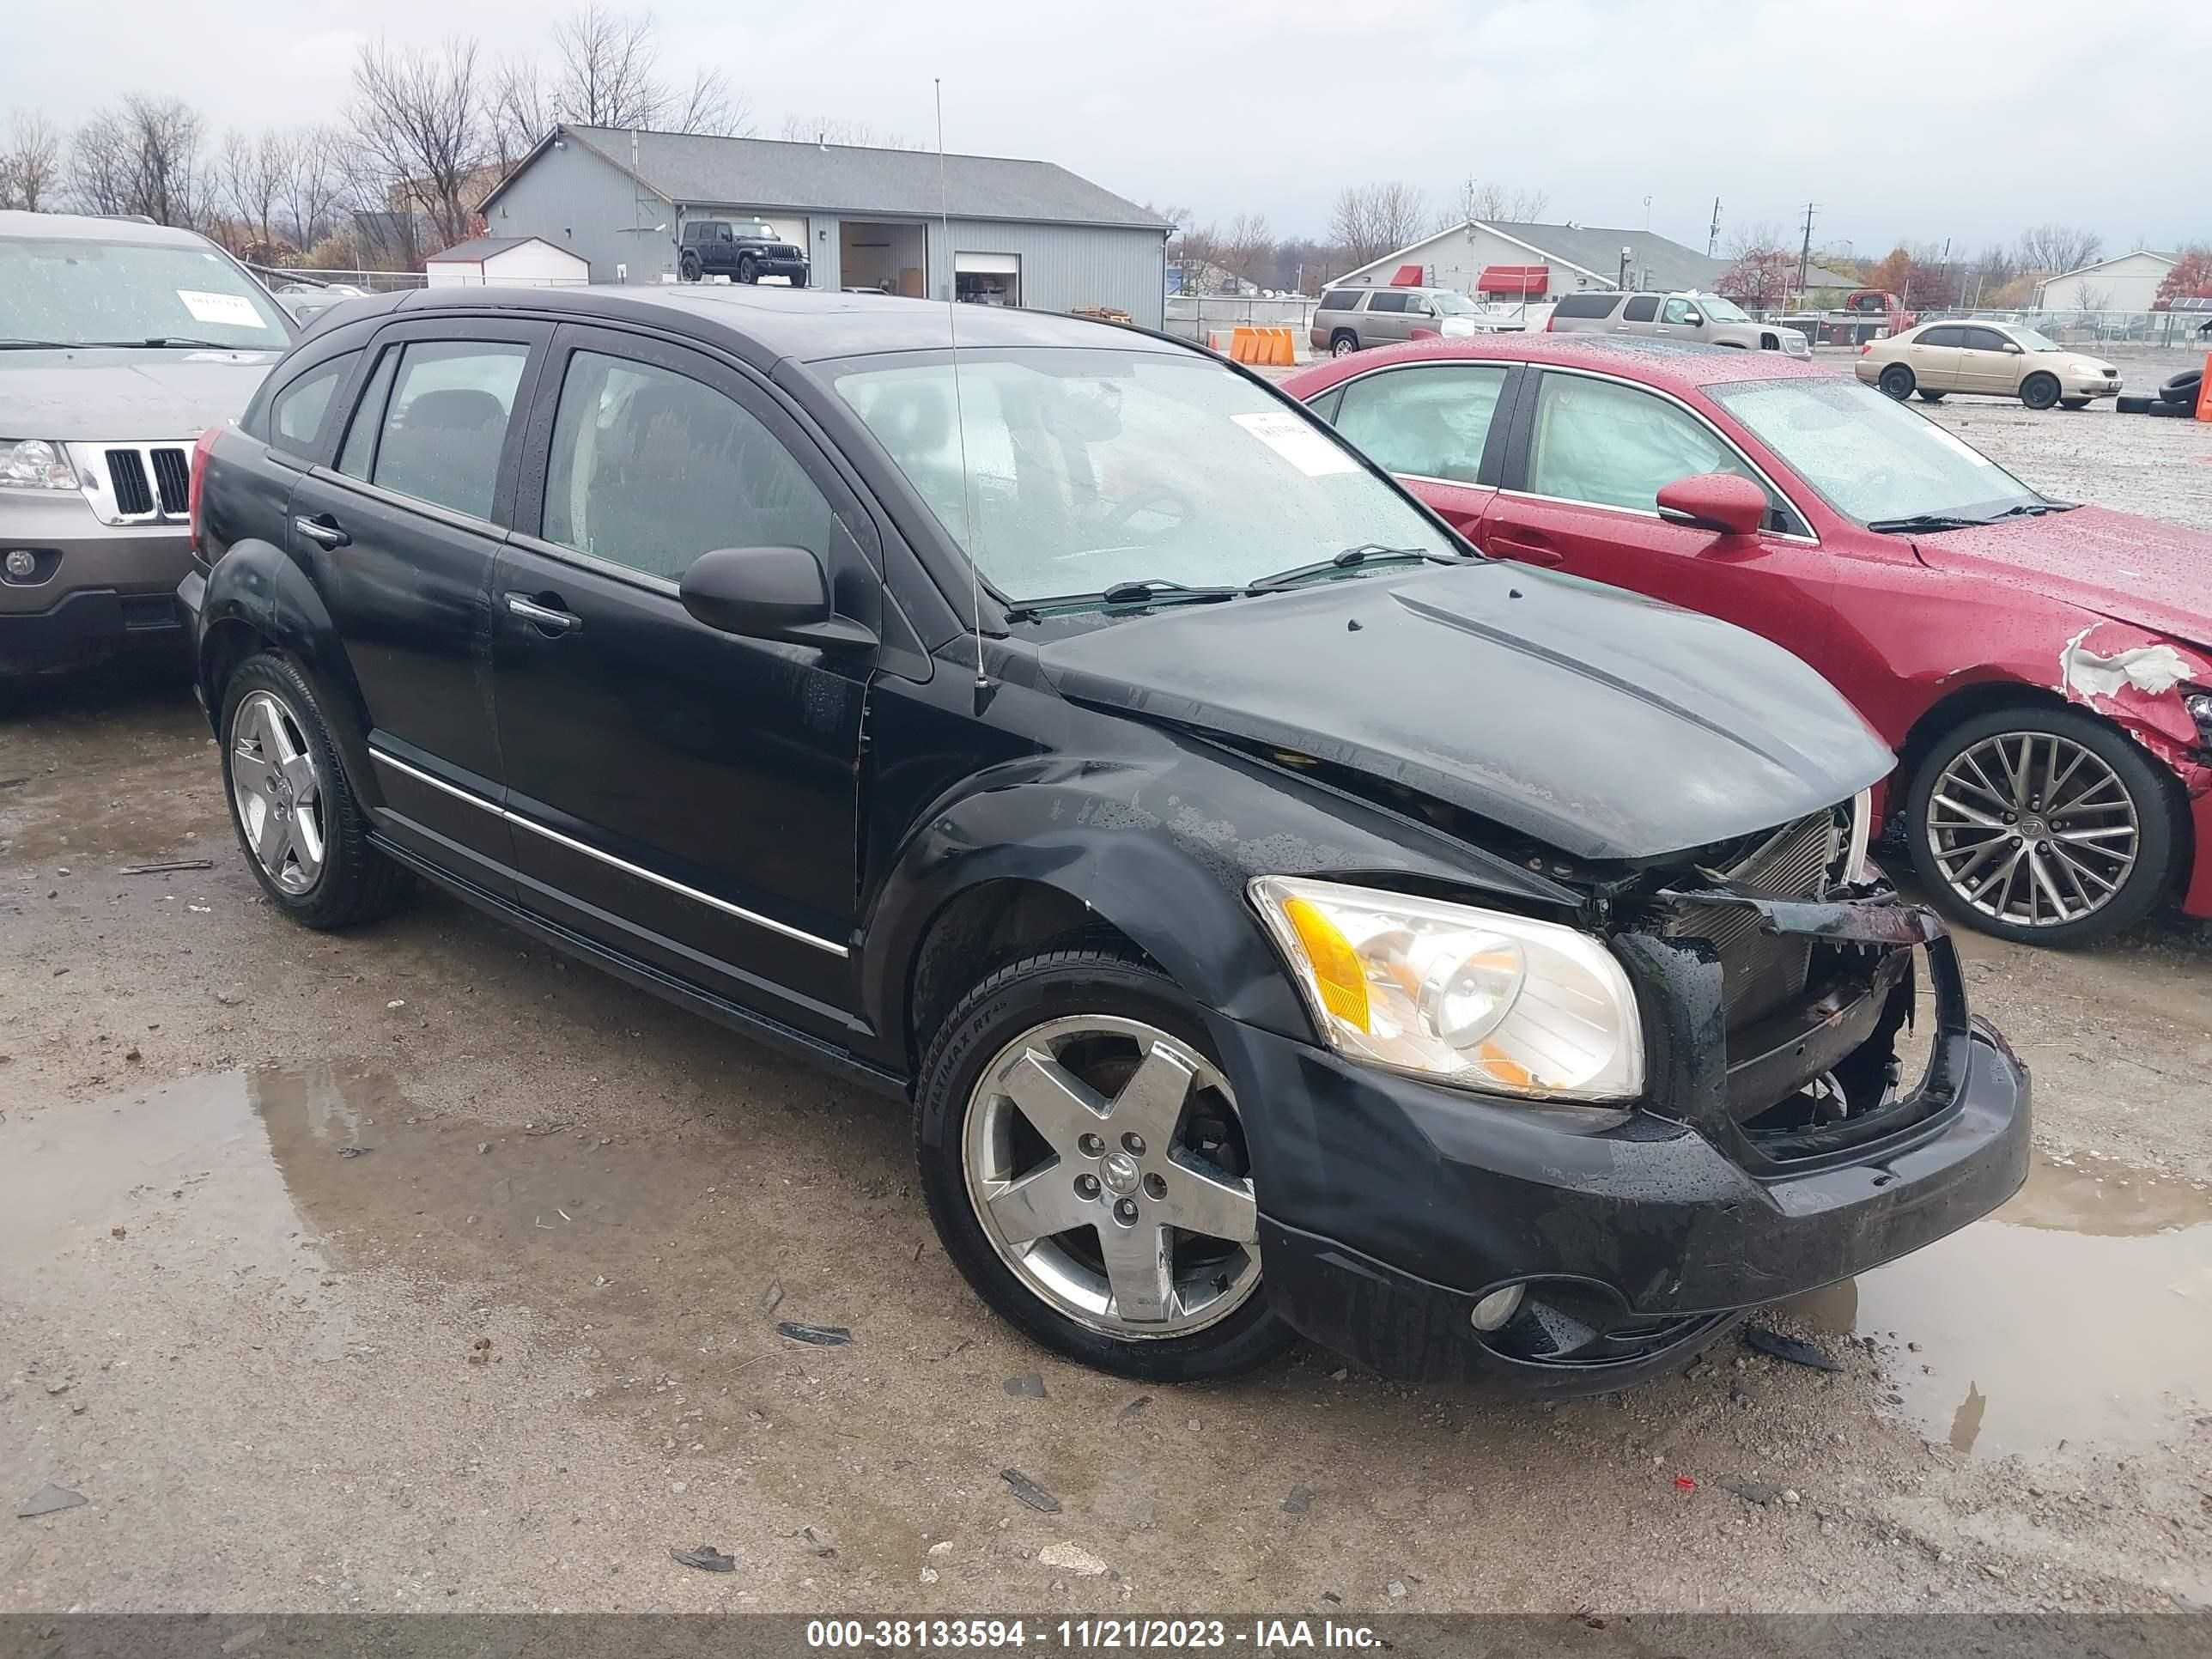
(2042, 670)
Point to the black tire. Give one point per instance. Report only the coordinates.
(797, 279)
(357, 884)
(2161, 834)
(2039, 390)
(2127, 404)
(1010, 1002)
(1343, 342)
(2073, 402)
(2183, 387)
(687, 268)
(2172, 411)
(1926, 396)
(748, 272)
(1897, 380)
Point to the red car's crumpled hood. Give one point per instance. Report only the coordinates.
(2156, 576)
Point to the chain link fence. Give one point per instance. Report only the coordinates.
(1196, 317)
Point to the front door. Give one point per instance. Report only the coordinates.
(1432, 425)
(689, 797)
(1988, 362)
(400, 539)
(1582, 476)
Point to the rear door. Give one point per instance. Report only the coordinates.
(1933, 356)
(1435, 426)
(685, 796)
(1584, 467)
(1388, 318)
(400, 536)
(1639, 316)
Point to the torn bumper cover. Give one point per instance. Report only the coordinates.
(1393, 1207)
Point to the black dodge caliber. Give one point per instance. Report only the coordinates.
(1280, 918)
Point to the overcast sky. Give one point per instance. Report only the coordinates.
(1945, 118)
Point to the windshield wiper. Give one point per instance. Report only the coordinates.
(1919, 522)
(1149, 590)
(39, 345)
(1365, 553)
(2032, 510)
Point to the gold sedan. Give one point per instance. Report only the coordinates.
(2002, 360)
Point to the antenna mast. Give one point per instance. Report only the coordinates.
(959, 410)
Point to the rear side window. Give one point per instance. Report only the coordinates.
(1641, 309)
(445, 423)
(1342, 298)
(1429, 423)
(1940, 337)
(1613, 445)
(1390, 301)
(1586, 305)
(360, 451)
(649, 469)
(296, 415)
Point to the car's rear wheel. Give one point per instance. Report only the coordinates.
(1343, 342)
(304, 834)
(1896, 380)
(687, 268)
(1928, 397)
(2043, 825)
(2039, 390)
(1086, 1164)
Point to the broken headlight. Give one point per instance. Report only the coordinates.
(1480, 999)
(2199, 705)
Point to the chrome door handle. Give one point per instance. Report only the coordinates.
(544, 616)
(322, 528)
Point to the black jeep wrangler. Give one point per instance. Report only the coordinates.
(743, 249)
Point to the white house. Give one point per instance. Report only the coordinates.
(508, 261)
(1514, 261)
(2127, 283)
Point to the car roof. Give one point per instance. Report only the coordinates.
(766, 324)
(95, 228)
(1670, 365)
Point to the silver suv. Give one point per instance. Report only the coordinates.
(1705, 318)
(120, 342)
(1352, 319)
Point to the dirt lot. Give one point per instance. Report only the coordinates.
(417, 1268)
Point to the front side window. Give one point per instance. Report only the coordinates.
(1870, 458)
(1425, 423)
(649, 469)
(445, 423)
(1615, 446)
(1641, 309)
(1985, 339)
(1084, 468)
(296, 414)
(1679, 311)
(64, 291)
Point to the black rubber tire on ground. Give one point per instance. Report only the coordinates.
(2174, 411)
(2183, 387)
(687, 268)
(2128, 404)
(797, 279)
(1343, 342)
(2073, 402)
(2145, 886)
(748, 272)
(1897, 379)
(1011, 1001)
(2039, 390)
(357, 884)
(1928, 397)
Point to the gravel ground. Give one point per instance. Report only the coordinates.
(419, 1268)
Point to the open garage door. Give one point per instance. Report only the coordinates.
(987, 279)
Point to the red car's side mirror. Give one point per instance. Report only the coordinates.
(1726, 503)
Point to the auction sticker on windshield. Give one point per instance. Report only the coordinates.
(235, 309)
(1290, 437)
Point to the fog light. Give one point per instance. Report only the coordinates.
(1496, 1309)
(21, 563)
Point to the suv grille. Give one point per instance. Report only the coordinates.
(1760, 972)
(147, 481)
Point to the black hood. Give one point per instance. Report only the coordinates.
(1602, 723)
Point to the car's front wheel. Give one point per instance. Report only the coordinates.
(2039, 390)
(1897, 380)
(304, 834)
(1087, 1164)
(2046, 826)
(748, 272)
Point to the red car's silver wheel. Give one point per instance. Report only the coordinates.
(2032, 830)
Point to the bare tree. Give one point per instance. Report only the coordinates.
(522, 111)
(1489, 202)
(2059, 248)
(1368, 221)
(31, 164)
(1762, 237)
(142, 157)
(420, 120)
(313, 196)
(712, 105)
(252, 171)
(841, 130)
(1246, 249)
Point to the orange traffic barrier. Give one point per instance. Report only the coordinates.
(1262, 345)
(2204, 391)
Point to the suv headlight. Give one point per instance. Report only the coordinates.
(34, 464)
(1480, 999)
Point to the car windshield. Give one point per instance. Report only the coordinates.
(80, 292)
(759, 229)
(1449, 304)
(2032, 340)
(1089, 468)
(1870, 458)
(1718, 310)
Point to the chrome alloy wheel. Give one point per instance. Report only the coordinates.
(2032, 829)
(1102, 1158)
(278, 792)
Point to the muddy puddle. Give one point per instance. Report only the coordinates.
(2079, 1314)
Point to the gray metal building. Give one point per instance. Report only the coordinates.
(1021, 232)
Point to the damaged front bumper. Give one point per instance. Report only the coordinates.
(1391, 1207)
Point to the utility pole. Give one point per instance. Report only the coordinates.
(1713, 236)
(1805, 251)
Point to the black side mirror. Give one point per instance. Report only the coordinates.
(769, 593)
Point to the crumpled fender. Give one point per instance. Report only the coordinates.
(2137, 680)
